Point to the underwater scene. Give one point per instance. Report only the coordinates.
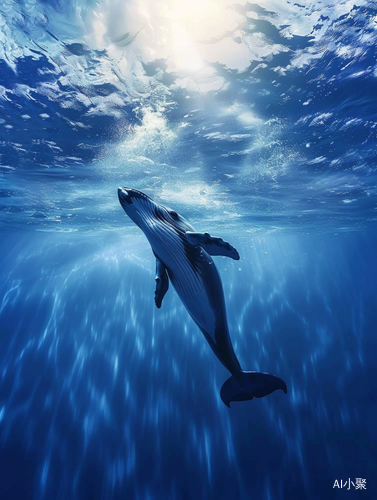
(244, 136)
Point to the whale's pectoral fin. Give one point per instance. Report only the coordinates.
(162, 282)
(250, 385)
(212, 244)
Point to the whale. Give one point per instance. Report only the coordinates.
(184, 259)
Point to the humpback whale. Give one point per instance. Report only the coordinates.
(183, 257)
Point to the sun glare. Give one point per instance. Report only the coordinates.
(188, 24)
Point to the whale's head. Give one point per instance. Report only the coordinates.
(149, 215)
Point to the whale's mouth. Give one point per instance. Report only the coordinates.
(129, 195)
(124, 196)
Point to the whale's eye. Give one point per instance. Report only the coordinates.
(173, 214)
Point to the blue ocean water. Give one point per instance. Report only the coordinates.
(258, 123)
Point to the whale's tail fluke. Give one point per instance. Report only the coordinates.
(250, 385)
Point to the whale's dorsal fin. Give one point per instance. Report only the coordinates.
(212, 244)
(162, 282)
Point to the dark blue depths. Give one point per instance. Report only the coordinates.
(105, 397)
